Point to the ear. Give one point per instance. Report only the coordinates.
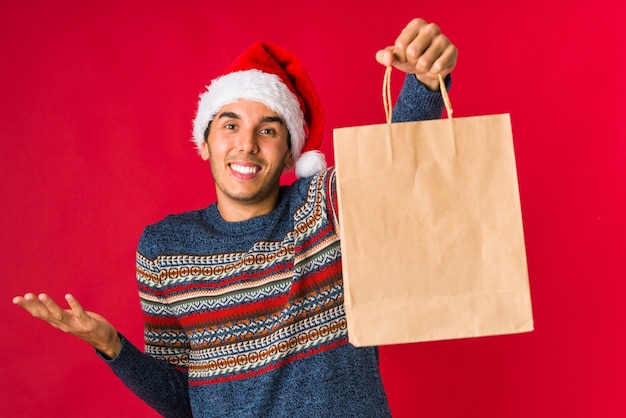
(204, 152)
(288, 163)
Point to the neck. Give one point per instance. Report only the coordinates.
(233, 211)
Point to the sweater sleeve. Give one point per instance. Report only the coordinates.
(158, 376)
(155, 382)
(415, 102)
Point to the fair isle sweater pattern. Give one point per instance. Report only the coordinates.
(223, 316)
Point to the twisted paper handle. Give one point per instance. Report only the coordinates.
(387, 103)
(387, 94)
(444, 94)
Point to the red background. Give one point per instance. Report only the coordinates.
(96, 109)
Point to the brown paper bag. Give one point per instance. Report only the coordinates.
(431, 230)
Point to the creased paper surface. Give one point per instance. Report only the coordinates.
(431, 231)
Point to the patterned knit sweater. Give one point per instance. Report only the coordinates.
(246, 319)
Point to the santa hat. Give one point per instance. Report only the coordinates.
(271, 75)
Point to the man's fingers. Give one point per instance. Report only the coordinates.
(423, 56)
(41, 306)
(422, 49)
(446, 61)
(32, 304)
(414, 39)
(54, 310)
(22, 300)
(410, 32)
(439, 58)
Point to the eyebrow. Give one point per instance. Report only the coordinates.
(234, 115)
(231, 115)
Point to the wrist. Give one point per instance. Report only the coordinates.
(111, 348)
(430, 83)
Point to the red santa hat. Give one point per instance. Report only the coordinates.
(271, 75)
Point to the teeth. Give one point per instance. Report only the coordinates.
(244, 169)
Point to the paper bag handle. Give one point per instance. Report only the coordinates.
(387, 95)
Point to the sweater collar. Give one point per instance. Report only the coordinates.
(250, 226)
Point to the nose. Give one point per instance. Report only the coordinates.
(247, 142)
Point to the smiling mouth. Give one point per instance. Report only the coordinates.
(245, 169)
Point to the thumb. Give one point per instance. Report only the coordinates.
(385, 56)
(74, 305)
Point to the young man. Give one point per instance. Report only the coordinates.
(244, 300)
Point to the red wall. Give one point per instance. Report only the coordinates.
(95, 121)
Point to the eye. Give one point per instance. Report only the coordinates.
(230, 126)
(268, 131)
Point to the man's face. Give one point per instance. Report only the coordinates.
(248, 149)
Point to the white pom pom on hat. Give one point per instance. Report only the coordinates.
(269, 74)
